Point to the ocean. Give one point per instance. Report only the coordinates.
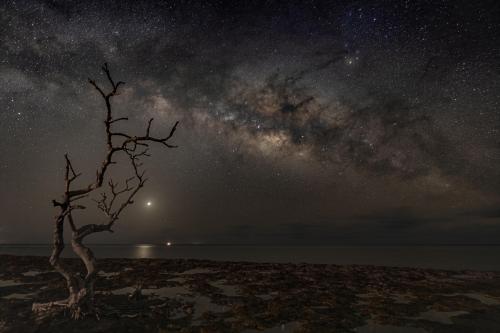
(474, 257)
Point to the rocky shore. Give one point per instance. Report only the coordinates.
(164, 295)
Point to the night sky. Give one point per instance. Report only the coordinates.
(300, 122)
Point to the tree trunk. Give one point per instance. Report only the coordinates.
(80, 301)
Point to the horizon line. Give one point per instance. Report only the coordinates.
(265, 244)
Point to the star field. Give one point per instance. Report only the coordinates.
(304, 122)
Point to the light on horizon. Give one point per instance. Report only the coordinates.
(143, 251)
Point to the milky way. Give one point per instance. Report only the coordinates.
(317, 123)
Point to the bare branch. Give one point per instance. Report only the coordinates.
(172, 131)
(92, 82)
(118, 119)
(89, 229)
(78, 197)
(149, 126)
(115, 87)
(71, 222)
(106, 70)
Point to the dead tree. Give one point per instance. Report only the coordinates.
(80, 301)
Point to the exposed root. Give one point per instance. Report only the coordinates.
(77, 306)
(49, 309)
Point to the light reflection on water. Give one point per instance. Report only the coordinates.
(143, 251)
(441, 257)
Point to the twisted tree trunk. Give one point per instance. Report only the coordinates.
(80, 300)
(83, 299)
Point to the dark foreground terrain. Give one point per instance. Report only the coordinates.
(208, 296)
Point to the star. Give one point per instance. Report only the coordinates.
(356, 110)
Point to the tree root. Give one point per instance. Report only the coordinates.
(76, 310)
(49, 309)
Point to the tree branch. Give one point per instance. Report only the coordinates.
(128, 145)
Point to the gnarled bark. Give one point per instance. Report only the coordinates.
(80, 301)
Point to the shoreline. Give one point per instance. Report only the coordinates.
(483, 258)
(192, 295)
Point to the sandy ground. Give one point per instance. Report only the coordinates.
(209, 296)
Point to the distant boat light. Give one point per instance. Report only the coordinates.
(169, 243)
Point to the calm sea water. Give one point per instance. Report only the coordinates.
(441, 257)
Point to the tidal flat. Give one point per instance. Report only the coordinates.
(187, 295)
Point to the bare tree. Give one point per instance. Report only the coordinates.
(80, 301)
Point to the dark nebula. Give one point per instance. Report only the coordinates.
(311, 122)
